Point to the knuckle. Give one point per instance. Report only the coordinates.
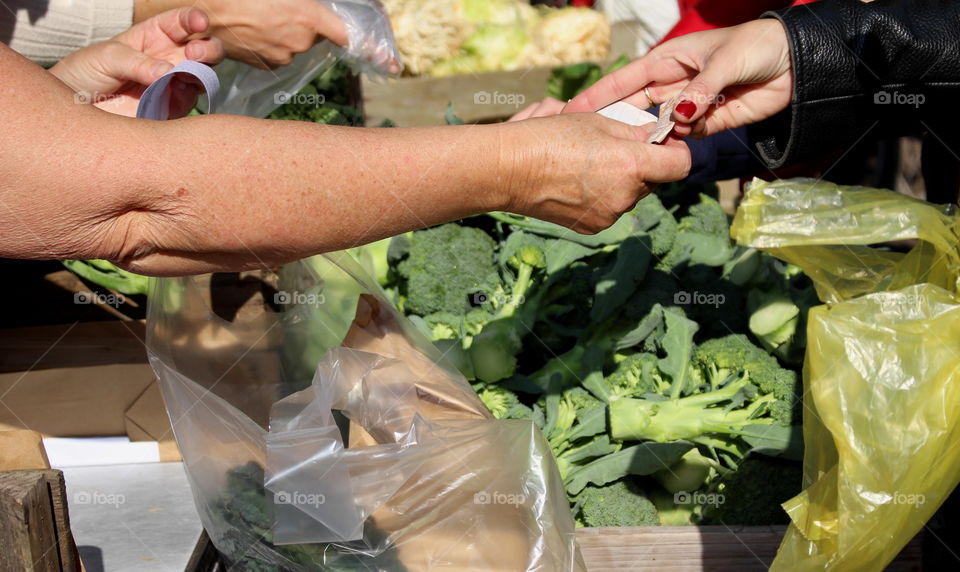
(301, 45)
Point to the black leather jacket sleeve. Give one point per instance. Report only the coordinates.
(889, 67)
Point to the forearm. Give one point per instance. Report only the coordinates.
(880, 68)
(248, 193)
(219, 192)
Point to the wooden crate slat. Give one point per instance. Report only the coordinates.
(34, 522)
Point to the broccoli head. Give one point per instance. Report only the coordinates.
(703, 237)
(620, 503)
(689, 418)
(503, 403)
(636, 375)
(752, 494)
(720, 357)
(448, 269)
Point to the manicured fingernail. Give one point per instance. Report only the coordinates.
(686, 109)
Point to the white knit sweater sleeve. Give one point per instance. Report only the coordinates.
(47, 30)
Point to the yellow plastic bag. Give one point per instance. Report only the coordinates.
(882, 368)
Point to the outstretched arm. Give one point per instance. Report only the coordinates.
(211, 193)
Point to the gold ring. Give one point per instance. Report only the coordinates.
(646, 92)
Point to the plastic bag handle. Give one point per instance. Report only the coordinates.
(155, 101)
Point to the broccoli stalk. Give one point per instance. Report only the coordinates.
(493, 351)
(689, 473)
(687, 418)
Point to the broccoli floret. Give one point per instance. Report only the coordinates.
(662, 226)
(752, 494)
(706, 217)
(703, 237)
(620, 503)
(446, 267)
(444, 325)
(503, 403)
(663, 236)
(574, 419)
(733, 394)
(720, 357)
(635, 376)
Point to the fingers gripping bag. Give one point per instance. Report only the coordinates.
(321, 431)
(371, 48)
(882, 368)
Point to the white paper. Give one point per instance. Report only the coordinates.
(625, 113)
(88, 451)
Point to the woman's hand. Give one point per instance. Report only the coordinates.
(114, 74)
(583, 170)
(263, 34)
(725, 78)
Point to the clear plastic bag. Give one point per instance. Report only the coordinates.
(253, 92)
(882, 369)
(320, 430)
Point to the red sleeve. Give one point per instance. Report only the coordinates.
(699, 15)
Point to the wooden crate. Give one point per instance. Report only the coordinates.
(34, 523)
(674, 548)
(476, 98)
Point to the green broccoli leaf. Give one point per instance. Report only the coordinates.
(642, 459)
(775, 440)
(677, 342)
(615, 287)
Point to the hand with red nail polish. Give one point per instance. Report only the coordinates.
(113, 74)
(723, 78)
(685, 110)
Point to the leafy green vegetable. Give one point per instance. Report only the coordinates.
(568, 81)
(448, 268)
(621, 503)
(110, 276)
(243, 511)
(643, 459)
(752, 494)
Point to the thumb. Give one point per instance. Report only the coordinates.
(664, 163)
(702, 92)
(129, 64)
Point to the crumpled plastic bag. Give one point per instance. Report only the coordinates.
(882, 368)
(320, 430)
(253, 92)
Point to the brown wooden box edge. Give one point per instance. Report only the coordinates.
(83, 379)
(655, 548)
